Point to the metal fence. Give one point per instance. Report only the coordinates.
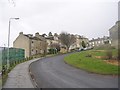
(16, 55)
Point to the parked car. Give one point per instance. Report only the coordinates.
(89, 48)
(85, 48)
(80, 49)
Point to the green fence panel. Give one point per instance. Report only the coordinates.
(15, 55)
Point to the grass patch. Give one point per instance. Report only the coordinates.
(103, 52)
(4, 78)
(91, 64)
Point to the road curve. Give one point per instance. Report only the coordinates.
(54, 73)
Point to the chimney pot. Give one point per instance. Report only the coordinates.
(21, 33)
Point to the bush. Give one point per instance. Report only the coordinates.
(104, 57)
(27, 58)
(30, 57)
(88, 55)
(52, 51)
(115, 57)
(109, 54)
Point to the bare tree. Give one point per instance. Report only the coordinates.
(67, 39)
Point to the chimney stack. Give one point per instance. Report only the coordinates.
(21, 33)
(37, 35)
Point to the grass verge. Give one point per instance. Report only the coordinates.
(91, 64)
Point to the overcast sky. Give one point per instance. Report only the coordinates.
(90, 18)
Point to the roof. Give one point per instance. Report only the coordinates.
(117, 23)
(32, 37)
(50, 37)
(104, 38)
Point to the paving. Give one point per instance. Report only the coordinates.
(52, 72)
(19, 77)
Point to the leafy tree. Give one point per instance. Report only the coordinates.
(83, 44)
(51, 51)
(106, 42)
(55, 45)
(67, 39)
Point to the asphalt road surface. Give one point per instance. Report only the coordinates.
(54, 73)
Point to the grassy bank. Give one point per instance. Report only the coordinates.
(86, 60)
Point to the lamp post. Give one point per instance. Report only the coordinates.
(9, 40)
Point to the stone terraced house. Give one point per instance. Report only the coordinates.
(115, 34)
(99, 41)
(32, 45)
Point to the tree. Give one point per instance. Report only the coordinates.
(67, 39)
(55, 34)
(83, 44)
(50, 34)
(106, 42)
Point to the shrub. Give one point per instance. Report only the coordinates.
(52, 51)
(27, 58)
(88, 55)
(109, 54)
(30, 57)
(115, 57)
(104, 57)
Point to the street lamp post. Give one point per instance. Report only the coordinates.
(9, 40)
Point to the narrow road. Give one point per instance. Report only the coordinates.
(54, 73)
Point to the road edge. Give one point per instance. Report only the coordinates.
(31, 75)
